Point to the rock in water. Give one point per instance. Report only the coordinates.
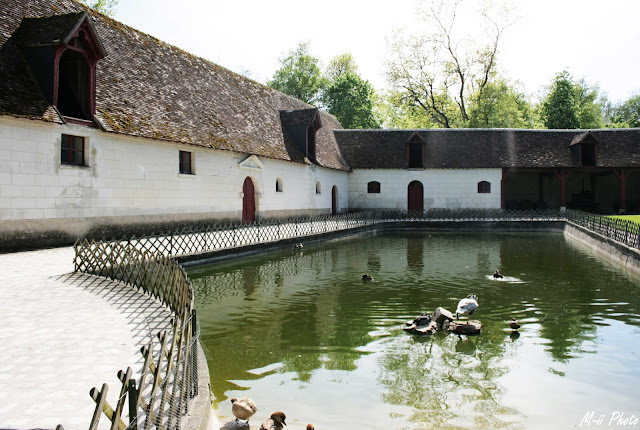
(440, 315)
(466, 328)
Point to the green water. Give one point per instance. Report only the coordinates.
(300, 332)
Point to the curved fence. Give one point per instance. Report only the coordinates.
(620, 230)
(159, 398)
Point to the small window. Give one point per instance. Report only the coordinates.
(318, 189)
(186, 167)
(373, 187)
(588, 154)
(484, 187)
(72, 150)
(415, 155)
(279, 185)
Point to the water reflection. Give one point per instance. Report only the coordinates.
(300, 329)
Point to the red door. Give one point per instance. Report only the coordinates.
(415, 196)
(334, 200)
(248, 202)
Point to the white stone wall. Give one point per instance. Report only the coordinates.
(443, 188)
(133, 178)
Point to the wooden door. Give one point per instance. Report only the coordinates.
(248, 202)
(334, 200)
(415, 196)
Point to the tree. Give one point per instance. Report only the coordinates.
(350, 99)
(340, 65)
(628, 113)
(299, 75)
(570, 105)
(500, 105)
(106, 7)
(443, 72)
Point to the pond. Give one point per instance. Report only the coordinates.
(299, 331)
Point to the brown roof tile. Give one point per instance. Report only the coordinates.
(482, 148)
(147, 88)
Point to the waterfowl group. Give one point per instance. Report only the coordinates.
(467, 306)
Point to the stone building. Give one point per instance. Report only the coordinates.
(107, 131)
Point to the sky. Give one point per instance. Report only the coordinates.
(598, 40)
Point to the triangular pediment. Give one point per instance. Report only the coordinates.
(252, 162)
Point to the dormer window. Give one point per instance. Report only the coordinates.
(300, 128)
(415, 152)
(63, 51)
(584, 149)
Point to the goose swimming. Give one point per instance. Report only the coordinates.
(467, 306)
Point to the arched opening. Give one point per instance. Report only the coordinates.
(484, 187)
(74, 85)
(248, 202)
(373, 187)
(415, 196)
(279, 185)
(334, 200)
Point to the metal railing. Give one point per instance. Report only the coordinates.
(620, 230)
(216, 237)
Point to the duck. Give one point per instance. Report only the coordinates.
(366, 277)
(310, 427)
(243, 408)
(514, 324)
(497, 275)
(298, 246)
(275, 421)
(467, 306)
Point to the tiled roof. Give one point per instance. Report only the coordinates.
(147, 88)
(48, 30)
(483, 148)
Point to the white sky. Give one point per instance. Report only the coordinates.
(595, 39)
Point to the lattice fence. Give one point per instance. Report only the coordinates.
(214, 237)
(620, 230)
(168, 379)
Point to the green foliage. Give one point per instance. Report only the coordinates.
(500, 105)
(340, 65)
(299, 75)
(570, 105)
(106, 7)
(350, 99)
(558, 109)
(628, 113)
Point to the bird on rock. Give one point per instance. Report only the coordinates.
(243, 408)
(275, 421)
(467, 306)
(514, 324)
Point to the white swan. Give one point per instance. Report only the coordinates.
(467, 306)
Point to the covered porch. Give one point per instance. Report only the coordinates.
(592, 189)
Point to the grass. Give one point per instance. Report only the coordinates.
(633, 218)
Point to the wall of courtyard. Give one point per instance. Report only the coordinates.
(443, 188)
(136, 181)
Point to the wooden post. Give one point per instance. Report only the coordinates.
(505, 174)
(562, 174)
(133, 404)
(622, 174)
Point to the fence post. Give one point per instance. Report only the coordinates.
(133, 404)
